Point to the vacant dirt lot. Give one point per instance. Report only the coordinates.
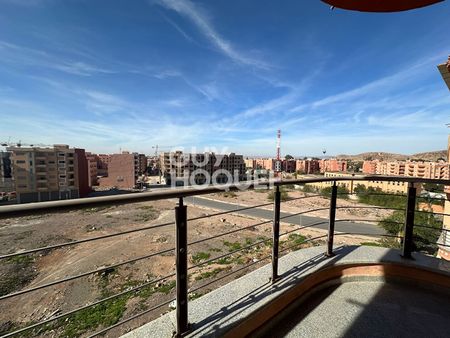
(27, 271)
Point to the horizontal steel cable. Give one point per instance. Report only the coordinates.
(83, 274)
(64, 315)
(57, 246)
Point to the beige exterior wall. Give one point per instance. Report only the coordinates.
(433, 170)
(445, 74)
(444, 252)
(265, 163)
(44, 170)
(333, 165)
(388, 187)
(178, 165)
(250, 163)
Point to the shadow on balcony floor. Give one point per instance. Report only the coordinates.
(359, 296)
(368, 309)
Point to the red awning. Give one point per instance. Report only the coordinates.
(380, 5)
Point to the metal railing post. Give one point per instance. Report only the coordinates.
(276, 233)
(181, 267)
(409, 222)
(332, 220)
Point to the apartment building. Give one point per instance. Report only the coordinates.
(393, 168)
(444, 250)
(308, 166)
(333, 165)
(102, 164)
(447, 188)
(92, 164)
(370, 167)
(142, 164)
(123, 171)
(43, 174)
(427, 170)
(388, 187)
(181, 168)
(250, 163)
(84, 188)
(289, 166)
(6, 181)
(437, 170)
(444, 69)
(265, 163)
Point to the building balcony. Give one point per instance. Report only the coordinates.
(346, 295)
(279, 284)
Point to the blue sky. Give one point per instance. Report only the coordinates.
(109, 75)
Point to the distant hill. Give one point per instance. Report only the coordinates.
(428, 156)
(432, 155)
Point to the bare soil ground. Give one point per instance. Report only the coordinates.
(23, 272)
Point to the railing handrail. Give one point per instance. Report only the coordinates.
(182, 244)
(406, 179)
(169, 193)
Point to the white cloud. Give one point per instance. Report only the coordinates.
(24, 2)
(189, 10)
(25, 56)
(81, 68)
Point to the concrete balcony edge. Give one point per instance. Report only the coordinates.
(221, 310)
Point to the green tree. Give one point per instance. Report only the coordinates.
(375, 196)
(341, 190)
(431, 187)
(426, 230)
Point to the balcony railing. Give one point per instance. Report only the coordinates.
(407, 237)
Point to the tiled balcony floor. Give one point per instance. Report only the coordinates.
(368, 309)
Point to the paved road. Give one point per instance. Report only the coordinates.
(301, 220)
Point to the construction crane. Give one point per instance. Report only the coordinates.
(158, 160)
(157, 147)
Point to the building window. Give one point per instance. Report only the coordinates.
(20, 161)
(61, 162)
(22, 186)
